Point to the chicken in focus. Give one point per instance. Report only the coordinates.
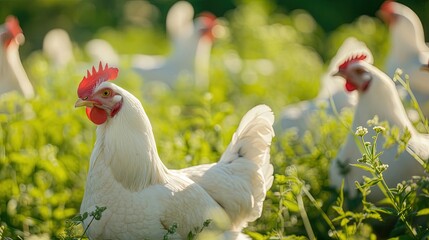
(142, 196)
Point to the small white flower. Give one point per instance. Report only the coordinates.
(382, 167)
(361, 131)
(379, 129)
(399, 71)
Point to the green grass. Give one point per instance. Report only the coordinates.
(45, 143)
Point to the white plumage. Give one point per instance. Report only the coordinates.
(99, 49)
(377, 95)
(244, 199)
(298, 116)
(408, 50)
(12, 74)
(191, 42)
(58, 47)
(144, 198)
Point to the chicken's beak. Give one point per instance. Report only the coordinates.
(382, 15)
(20, 39)
(338, 74)
(80, 103)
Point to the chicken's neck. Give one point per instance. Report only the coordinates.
(128, 144)
(13, 76)
(407, 38)
(381, 99)
(185, 51)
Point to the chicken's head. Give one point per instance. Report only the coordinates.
(356, 74)
(205, 25)
(11, 32)
(98, 95)
(387, 12)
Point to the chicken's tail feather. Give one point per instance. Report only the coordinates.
(252, 142)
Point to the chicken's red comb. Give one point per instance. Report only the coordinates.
(12, 25)
(352, 59)
(210, 17)
(387, 6)
(209, 22)
(91, 80)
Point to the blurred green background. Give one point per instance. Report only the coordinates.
(83, 18)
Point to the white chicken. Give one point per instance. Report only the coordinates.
(298, 116)
(191, 43)
(99, 49)
(377, 95)
(408, 50)
(12, 74)
(143, 197)
(58, 47)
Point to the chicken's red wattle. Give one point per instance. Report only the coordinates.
(350, 86)
(96, 115)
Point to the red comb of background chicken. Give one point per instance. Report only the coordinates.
(352, 59)
(387, 6)
(387, 11)
(209, 17)
(13, 29)
(91, 80)
(12, 25)
(209, 21)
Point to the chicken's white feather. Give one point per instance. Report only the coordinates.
(241, 178)
(58, 47)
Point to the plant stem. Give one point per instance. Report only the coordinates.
(87, 227)
(304, 216)
(397, 208)
(384, 187)
(280, 213)
(337, 115)
(406, 85)
(325, 217)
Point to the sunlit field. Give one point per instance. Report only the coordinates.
(260, 56)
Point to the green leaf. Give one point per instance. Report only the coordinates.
(424, 211)
(292, 206)
(344, 222)
(280, 179)
(368, 182)
(387, 210)
(364, 167)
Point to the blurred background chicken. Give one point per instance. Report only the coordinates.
(332, 96)
(377, 96)
(58, 48)
(12, 74)
(100, 50)
(408, 50)
(191, 42)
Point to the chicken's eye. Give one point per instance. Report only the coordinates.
(106, 93)
(360, 71)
